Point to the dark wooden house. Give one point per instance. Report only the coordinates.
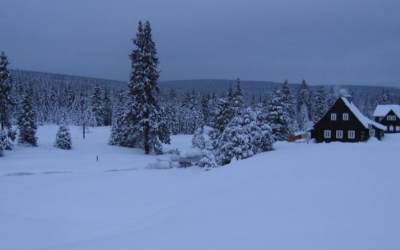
(344, 122)
(388, 115)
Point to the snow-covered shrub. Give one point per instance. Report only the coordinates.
(207, 160)
(202, 138)
(189, 158)
(63, 138)
(160, 164)
(3, 141)
(245, 136)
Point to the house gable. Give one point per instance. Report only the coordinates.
(339, 108)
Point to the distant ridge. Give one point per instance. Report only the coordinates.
(218, 86)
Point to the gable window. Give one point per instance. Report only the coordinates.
(327, 134)
(391, 118)
(351, 134)
(339, 134)
(333, 116)
(345, 116)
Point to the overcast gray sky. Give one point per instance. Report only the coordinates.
(323, 41)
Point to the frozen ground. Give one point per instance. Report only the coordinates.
(300, 196)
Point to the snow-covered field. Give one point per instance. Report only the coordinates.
(300, 196)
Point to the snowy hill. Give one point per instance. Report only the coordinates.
(300, 196)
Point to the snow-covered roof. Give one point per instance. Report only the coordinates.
(366, 122)
(383, 110)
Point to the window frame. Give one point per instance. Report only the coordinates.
(339, 134)
(345, 116)
(333, 116)
(351, 134)
(327, 134)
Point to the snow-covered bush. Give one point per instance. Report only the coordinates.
(244, 137)
(202, 138)
(63, 138)
(3, 141)
(207, 160)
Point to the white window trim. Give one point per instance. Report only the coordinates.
(333, 117)
(345, 116)
(327, 134)
(351, 134)
(339, 134)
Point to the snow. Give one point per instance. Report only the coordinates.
(362, 118)
(383, 110)
(299, 196)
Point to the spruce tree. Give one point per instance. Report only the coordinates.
(226, 108)
(303, 105)
(319, 104)
(98, 106)
(119, 126)
(147, 124)
(6, 103)
(63, 138)
(278, 117)
(205, 108)
(237, 98)
(27, 122)
(290, 106)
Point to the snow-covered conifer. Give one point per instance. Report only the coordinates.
(6, 103)
(118, 128)
(98, 106)
(223, 112)
(27, 122)
(63, 138)
(278, 117)
(237, 98)
(146, 120)
(263, 138)
(319, 104)
(237, 139)
(202, 138)
(290, 106)
(3, 141)
(303, 105)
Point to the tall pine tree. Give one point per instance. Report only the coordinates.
(146, 120)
